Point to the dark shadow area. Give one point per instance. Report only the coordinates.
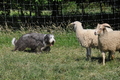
(98, 59)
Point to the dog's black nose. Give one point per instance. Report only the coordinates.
(52, 43)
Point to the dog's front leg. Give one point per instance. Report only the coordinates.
(41, 47)
(38, 49)
(47, 49)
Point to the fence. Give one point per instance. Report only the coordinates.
(45, 12)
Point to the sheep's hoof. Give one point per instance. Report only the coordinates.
(112, 57)
(103, 64)
(88, 59)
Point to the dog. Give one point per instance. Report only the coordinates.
(37, 42)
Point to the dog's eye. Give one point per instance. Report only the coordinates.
(51, 37)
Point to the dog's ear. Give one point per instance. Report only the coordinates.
(46, 38)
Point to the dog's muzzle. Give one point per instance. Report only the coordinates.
(52, 43)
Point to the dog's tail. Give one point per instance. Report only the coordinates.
(13, 41)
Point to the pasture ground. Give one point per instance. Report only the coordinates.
(66, 61)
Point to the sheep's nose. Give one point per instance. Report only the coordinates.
(95, 33)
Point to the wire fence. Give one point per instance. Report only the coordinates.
(90, 12)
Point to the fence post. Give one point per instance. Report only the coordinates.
(55, 6)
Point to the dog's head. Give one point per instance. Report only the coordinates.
(49, 39)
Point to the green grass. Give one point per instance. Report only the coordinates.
(66, 61)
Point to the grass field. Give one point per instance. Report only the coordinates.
(66, 61)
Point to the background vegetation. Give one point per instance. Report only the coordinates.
(66, 60)
(17, 13)
(53, 7)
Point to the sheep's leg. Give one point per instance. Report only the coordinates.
(88, 54)
(103, 55)
(111, 55)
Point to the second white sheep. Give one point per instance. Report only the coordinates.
(107, 41)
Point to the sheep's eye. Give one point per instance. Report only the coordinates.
(100, 28)
(74, 24)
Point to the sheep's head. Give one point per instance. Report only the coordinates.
(101, 28)
(76, 24)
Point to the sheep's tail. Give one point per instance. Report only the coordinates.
(14, 41)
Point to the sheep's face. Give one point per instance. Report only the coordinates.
(99, 30)
(76, 24)
(102, 28)
(73, 24)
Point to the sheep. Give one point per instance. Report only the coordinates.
(86, 37)
(107, 41)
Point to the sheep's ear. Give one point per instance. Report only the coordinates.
(72, 23)
(104, 28)
(98, 24)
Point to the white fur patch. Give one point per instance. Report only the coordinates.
(52, 38)
(43, 48)
(44, 41)
(26, 35)
(13, 41)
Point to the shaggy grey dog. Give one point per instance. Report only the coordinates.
(37, 42)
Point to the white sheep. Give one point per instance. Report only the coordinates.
(107, 41)
(86, 37)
